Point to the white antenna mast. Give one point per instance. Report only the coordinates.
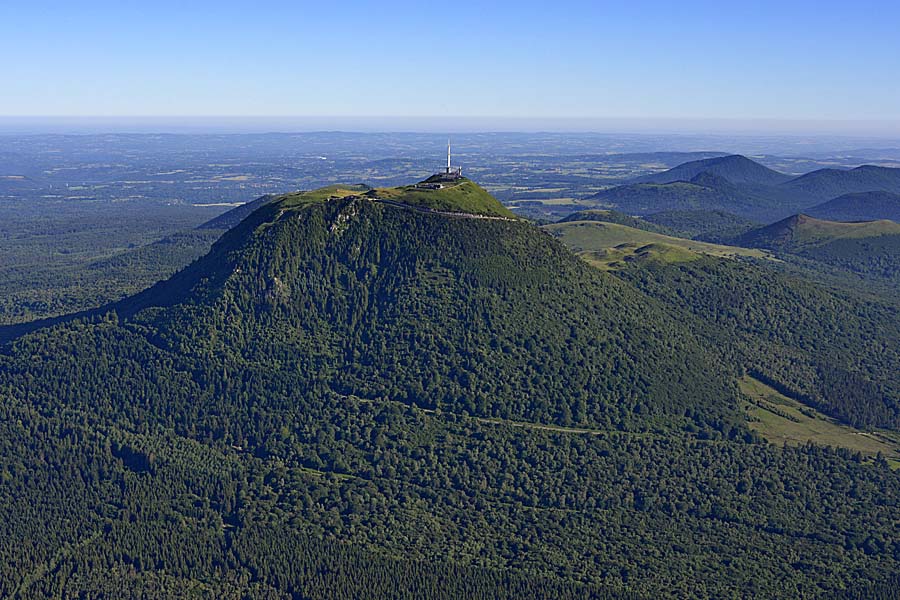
(448, 154)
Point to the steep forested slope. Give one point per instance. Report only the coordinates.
(705, 225)
(837, 351)
(483, 314)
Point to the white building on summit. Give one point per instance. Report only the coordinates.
(448, 174)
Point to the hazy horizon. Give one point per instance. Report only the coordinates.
(196, 124)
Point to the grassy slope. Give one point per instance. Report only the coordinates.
(298, 199)
(604, 244)
(464, 196)
(780, 420)
(814, 232)
(614, 216)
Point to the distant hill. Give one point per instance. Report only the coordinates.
(861, 206)
(868, 249)
(738, 185)
(704, 192)
(801, 232)
(825, 184)
(735, 168)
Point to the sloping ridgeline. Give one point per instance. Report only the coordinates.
(349, 399)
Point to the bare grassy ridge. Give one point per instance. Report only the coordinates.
(608, 244)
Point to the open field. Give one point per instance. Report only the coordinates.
(781, 420)
(610, 245)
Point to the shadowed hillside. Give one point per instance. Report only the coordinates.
(860, 206)
(831, 183)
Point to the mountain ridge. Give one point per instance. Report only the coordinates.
(739, 185)
(826, 184)
(859, 206)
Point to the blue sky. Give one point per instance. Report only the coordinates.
(642, 60)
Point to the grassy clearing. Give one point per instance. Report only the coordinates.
(554, 201)
(610, 245)
(298, 199)
(781, 420)
(464, 196)
(611, 259)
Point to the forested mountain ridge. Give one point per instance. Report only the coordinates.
(825, 184)
(352, 278)
(613, 216)
(705, 225)
(351, 398)
(738, 185)
(860, 206)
